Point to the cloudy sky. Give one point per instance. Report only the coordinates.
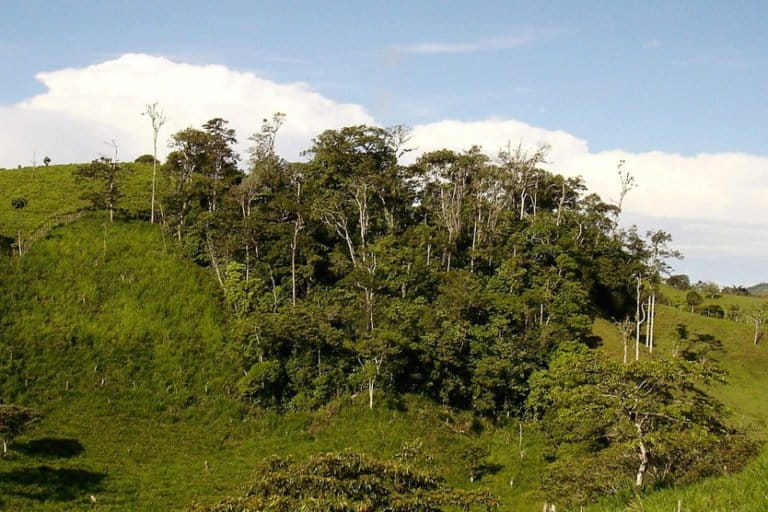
(676, 89)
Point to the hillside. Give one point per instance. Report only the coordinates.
(147, 321)
(54, 194)
(760, 289)
(151, 379)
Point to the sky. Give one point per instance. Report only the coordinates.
(679, 90)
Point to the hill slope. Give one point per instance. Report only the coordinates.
(107, 301)
(123, 343)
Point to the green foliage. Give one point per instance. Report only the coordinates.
(107, 193)
(347, 482)
(679, 281)
(145, 159)
(103, 305)
(642, 423)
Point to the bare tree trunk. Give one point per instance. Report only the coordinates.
(638, 319)
(648, 324)
(370, 392)
(214, 262)
(297, 226)
(639, 478)
(652, 321)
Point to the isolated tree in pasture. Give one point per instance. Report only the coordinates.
(679, 281)
(105, 175)
(19, 203)
(14, 419)
(693, 299)
(708, 289)
(757, 317)
(157, 120)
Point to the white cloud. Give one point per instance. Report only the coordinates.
(83, 107)
(480, 45)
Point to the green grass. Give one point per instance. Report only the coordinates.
(743, 302)
(54, 191)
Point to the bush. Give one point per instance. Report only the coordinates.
(19, 202)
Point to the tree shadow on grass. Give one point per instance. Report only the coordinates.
(486, 469)
(50, 448)
(44, 483)
(6, 245)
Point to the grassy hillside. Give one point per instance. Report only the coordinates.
(123, 344)
(53, 192)
(111, 301)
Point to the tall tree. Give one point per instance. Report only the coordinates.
(157, 119)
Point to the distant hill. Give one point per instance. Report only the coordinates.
(760, 289)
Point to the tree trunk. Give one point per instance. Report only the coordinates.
(639, 478)
(154, 178)
(370, 393)
(652, 321)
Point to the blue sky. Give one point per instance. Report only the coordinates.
(645, 81)
(675, 76)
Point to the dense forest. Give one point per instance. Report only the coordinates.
(468, 280)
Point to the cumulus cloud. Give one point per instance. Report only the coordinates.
(81, 108)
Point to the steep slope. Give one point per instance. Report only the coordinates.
(99, 304)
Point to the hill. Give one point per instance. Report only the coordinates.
(760, 289)
(54, 195)
(141, 364)
(107, 301)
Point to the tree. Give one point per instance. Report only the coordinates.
(757, 316)
(617, 426)
(105, 173)
(14, 419)
(19, 203)
(146, 159)
(157, 119)
(708, 289)
(348, 482)
(679, 281)
(693, 299)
